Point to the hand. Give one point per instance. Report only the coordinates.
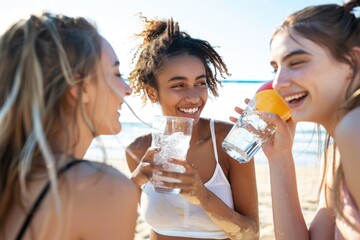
(239, 111)
(191, 186)
(280, 143)
(143, 172)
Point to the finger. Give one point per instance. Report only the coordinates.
(188, 167)
(149, 154)
(179, 185)
(239, 110)
(281, 125)
(168, 174)
(233, 119)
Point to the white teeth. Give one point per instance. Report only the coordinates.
(189, 110)
(295, 96)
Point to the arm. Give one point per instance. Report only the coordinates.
(347, 138)
(246, 214)
(289, 222)
(240, 223)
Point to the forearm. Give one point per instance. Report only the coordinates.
(236, 225)
(289, 222)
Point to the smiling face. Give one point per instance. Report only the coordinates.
(309, 78)
(182, 89)
(107, 93)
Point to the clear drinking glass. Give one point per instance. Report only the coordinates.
(172, 135)
(250, 131)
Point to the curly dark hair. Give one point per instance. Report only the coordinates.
(161, 40)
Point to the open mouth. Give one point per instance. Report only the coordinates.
(296, 97)
(189, 110)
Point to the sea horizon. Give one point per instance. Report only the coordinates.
(306, 148)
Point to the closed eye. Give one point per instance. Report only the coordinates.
(295, 63)
(201, 84)
(179, 85)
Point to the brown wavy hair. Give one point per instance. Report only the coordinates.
(336, 28)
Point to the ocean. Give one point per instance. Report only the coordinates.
(306, 148)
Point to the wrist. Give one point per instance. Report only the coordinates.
(204, 196)
(136, 181)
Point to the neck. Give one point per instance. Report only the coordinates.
(199, 134)
(74, 143)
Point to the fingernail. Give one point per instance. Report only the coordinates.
(159, 183)
(266, 115)
(165, 166)
(158, 172)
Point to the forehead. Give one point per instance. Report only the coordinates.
(183, 63)
(284, 43)
(108, 55)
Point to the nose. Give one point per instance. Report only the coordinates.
(281, 80)
(125, 88)
(192, 96)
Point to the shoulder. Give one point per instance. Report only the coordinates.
(97, 189)
(90, 177)
(347, 129)
(141, 142)
(222, 128)
(136, 149)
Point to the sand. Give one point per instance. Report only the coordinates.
(307, 180)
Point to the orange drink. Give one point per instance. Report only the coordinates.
(267, 100)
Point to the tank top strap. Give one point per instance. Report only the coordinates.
(213, 137)
(41, 198)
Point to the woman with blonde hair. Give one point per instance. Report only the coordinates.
(60, 88)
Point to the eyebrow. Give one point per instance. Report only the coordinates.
(184, 78)
(293, 53)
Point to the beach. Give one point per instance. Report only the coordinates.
(305, 151)
(307, 180)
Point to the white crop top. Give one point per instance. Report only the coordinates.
(173, 215)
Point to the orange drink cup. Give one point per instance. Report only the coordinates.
(251, 131)
(267, 100)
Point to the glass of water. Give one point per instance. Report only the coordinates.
(251, 131)
(172, 136)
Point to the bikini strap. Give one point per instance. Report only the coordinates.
(213, 137)
(41, 198)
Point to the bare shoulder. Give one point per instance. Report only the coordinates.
(100, 197)
(141, 142)
(90, 177)
(136, 150)
(347, 128)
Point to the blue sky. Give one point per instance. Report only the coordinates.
(241, 29)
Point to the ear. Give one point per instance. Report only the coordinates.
(354, 60)
(80, 90)
(152, 93)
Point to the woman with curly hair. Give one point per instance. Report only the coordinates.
(218, 197)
